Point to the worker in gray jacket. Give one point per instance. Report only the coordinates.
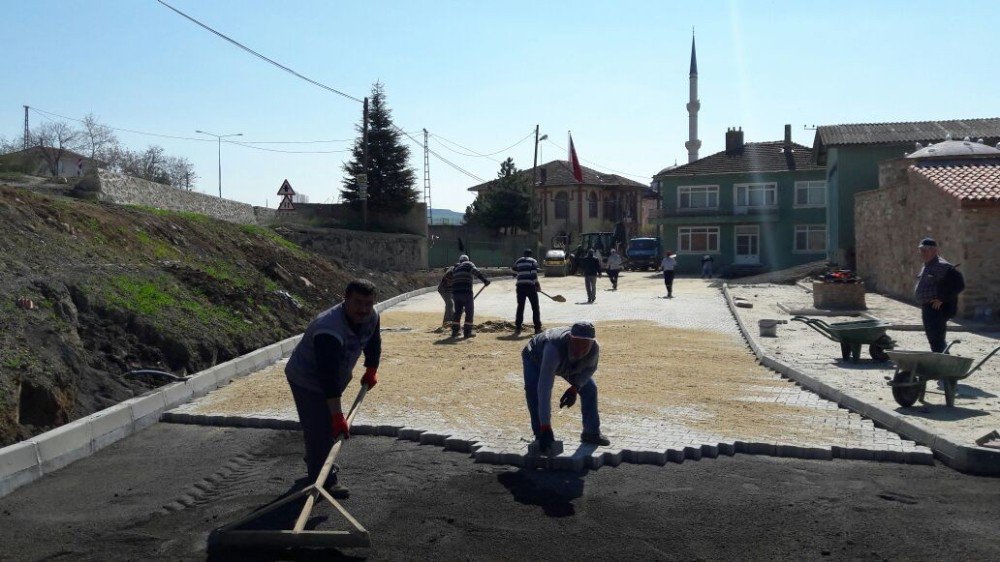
(571, 353)
(462, 277)
(320, 368)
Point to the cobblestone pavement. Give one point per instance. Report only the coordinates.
(977, 405)
(822, 429)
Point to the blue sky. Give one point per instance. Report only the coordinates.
(483, 73)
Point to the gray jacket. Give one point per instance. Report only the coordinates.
(550, 351)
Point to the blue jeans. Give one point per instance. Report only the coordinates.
(317, 429)
(588, 399)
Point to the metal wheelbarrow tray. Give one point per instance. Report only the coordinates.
(852, 335)
(915, 368)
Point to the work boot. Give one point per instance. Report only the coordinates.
(517, 331)
(454, 331)
(467, 332)
(538, 329)
(332, 485)
(595, 439)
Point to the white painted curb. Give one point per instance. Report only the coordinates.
(24, 462)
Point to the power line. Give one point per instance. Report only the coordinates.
(442, 158)
(646, 176)
(260, 56)
(474, 153)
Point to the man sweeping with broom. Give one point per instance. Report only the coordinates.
(320, 368)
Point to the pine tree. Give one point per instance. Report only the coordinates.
(390, 178)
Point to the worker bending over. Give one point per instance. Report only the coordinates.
(571, 353)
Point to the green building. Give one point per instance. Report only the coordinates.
(851, 154)
(754, 207)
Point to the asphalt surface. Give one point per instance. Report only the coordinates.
(158, 495)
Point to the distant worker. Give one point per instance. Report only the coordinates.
(320, 368)
(444, 289)
(614, 268)
(667, 265)
(463, 275)
(706, 266)
(937, 290)
(571, 353)
(591, 267)
(526, 268)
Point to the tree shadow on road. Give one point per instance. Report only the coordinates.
(552, 490)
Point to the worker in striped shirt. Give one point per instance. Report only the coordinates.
(526, 269)
(462, 277)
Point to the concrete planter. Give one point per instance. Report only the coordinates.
(839, 296)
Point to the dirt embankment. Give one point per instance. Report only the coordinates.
(90, 291)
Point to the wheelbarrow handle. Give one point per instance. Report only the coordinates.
(980, 364)
(951, 344)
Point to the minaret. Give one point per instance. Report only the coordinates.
(693, 144)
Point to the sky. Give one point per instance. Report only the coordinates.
(482, 74)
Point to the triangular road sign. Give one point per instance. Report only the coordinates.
(286, 204)
(286, 189)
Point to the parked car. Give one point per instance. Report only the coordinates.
(555, 263)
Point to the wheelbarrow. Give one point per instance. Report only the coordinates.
(852, 335)
(915, 368)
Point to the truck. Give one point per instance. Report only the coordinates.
(642, 253)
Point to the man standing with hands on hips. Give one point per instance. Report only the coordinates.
(571, 353)
(937, 289)
(320, 368)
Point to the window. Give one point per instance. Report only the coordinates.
(810, 238)
(697, 197)
(592, 205)
(756, 194)
(810, 194)
(698, 239)
(562, 205)
(610, 208)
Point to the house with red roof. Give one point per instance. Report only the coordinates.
(949, 191)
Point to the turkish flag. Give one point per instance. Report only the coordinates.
(574, 162)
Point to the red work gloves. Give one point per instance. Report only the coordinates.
(340, 425)
(370, 379)
(568, 397)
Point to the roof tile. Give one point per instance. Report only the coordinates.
(969, 180)
(756, 157)
(915, 131)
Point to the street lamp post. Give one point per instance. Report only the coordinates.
(536, 215)
(219, 138)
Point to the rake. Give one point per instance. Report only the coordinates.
(299, 536)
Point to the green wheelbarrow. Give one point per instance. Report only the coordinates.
(915, 368)
(853, 335)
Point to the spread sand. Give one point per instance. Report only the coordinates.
(648, 375)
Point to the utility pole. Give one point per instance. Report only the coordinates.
(427, 181)
(534, 190)
(363, 187)
(27, 131)
(219, 138)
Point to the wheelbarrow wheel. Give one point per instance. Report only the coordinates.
(905, 396)
(950, 389)
(878, 353)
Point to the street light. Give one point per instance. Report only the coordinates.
(534, 187)
(220, 137)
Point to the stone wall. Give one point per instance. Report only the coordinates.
(890, 221)
(126, 190)
(369, 250)
(345, 216)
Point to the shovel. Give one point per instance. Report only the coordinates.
(557, 298)
(479, 291)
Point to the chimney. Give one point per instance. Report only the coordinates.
(734, 141)
(788, 138)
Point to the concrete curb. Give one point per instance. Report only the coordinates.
(29, 460)
(585, 456)
(966, 458)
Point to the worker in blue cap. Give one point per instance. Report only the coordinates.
(570, 352)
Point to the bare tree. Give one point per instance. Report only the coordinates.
(53, 139)
(8, 146)
(99, 140)
(181, 172)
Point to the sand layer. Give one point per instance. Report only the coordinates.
(649, 374)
